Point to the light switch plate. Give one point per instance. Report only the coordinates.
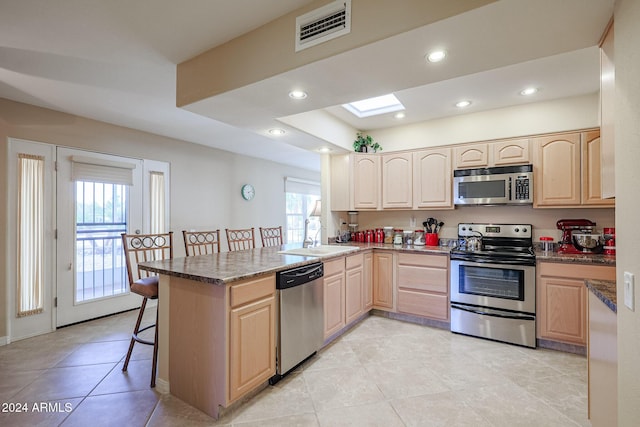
(629, 286)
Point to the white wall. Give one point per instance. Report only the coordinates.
(529, 119)
(205, 182)
(627, 155)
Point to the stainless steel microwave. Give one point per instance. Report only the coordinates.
(504, 185)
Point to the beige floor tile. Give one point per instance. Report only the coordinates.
(14, 381)
(119, 409)
(340, 387)
(300, 420)
(96, 352)
(405, 379)
(373, 415)
(39, 413)
(438, 410)
(137, 377)
(171, 411)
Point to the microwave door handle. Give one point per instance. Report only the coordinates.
(510, 190)
(492, 314)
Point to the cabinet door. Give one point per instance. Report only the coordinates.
(383, 280)
(367, 285)
(557, 174)
(423, 285)
(511, 152)
(354, 298)
(334, 312)
(341, 183)
(591, 170)
(472, 156)
(562, 310)
(252, 358)
(397, 181)
(432, 179)
(366, 181)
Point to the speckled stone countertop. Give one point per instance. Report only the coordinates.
(227, 267)
(442, 250)
(605, 290)
(576, 258)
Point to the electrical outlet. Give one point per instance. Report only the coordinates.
(629, 285)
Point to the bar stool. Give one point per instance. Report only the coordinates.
(271, 236)
(240, 239)
(140, 248)
(201, 242)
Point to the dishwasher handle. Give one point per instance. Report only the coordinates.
(299, 276)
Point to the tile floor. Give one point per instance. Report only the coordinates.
(381, 373)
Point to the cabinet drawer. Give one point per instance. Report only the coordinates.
(354, 261)
(423, 304)
(437, 261)
(335, 266)
(252, 290)
(576, 271)
(423, 278)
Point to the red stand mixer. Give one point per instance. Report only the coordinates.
(570, 227)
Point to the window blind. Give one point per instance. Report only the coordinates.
(100, 170)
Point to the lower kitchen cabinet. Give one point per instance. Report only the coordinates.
(354, 287)
(423, 285)
(367, 275)
(383, 280)
(334, 296)
(562, 299)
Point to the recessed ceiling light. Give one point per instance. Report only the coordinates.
(298, 94)
(529, 91)
(400, 115)
(324, 149)
(463, 104)
(277, 131)
(436, 55)
(374, 106)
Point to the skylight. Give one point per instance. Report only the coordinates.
(375, 106)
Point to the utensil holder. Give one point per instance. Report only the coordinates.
(431, 239)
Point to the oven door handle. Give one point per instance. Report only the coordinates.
(492, 313)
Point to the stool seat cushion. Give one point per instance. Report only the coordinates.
(147, 287)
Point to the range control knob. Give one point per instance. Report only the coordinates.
(524, 230)
(517, 229)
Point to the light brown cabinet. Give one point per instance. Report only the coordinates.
(366, 181)
(423, 285)
(510, 152)
(432, 179)
(567, 170)
(341, 182)
(562, 299)
(607, 101)
(472, 156)
(252, 358)
(383, 280)
(354, 287)
(397, 181)
(367, 273)
(334, 298)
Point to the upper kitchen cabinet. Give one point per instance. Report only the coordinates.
(472, 156)
(397, 181)
(567, 170)
(366, 181)
(432, 179)
(510, 152)
(341, 183)
(607, 93)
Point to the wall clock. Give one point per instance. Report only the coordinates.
(247, 191)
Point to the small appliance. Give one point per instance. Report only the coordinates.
(504, 185)
(578, 237)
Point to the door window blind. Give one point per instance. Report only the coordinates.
(100, 170)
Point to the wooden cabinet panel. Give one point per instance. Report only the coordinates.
(366, 181)
(354, 299)
(397, 181)
(557, 170)
(432, 179)
(591, 170)
(367, 272)
(383, 280)
(472, 156)
(510, 152)
(435, 306)
(252, 358)
(252, 290)
(334, 313)
(423, 278)
(562, 299)
(341, 183)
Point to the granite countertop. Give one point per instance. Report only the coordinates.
(227, 267)
(576, 258)
(442, 250)
(605, 290)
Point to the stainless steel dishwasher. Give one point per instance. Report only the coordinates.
(300, 323)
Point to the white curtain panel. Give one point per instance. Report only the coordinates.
(157, 198)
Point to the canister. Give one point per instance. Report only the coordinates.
(547, 244)
(397, 236)
(407, 237)
(418, 238)
(388, 235)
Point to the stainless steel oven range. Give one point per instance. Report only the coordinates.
(493, 283)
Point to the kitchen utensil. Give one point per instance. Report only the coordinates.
(440, 224)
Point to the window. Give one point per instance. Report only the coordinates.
(301, 196)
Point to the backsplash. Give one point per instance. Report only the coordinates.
(543, 220)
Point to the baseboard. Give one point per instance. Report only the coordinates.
(4, 341)
(162, 386)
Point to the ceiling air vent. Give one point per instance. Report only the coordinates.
(323, 24)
